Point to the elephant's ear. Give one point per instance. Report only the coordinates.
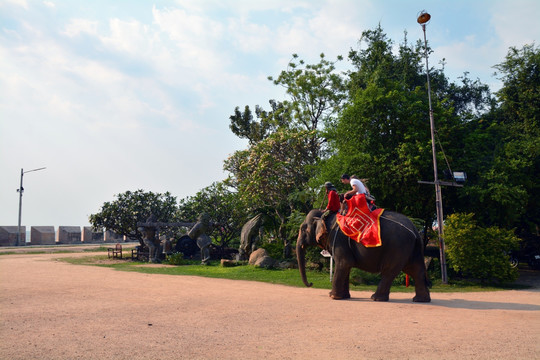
(321, 234)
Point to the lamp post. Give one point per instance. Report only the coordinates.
(20, 190)
(423, 19)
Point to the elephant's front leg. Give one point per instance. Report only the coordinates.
(340, 283)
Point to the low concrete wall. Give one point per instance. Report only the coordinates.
(47, 235)
(8, 236)
(42, 235)
(91, 237)
(69, 235)
(111, 236)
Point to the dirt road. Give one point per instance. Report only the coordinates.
(53, 310)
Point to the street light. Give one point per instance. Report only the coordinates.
(20, 190)
(423, 18)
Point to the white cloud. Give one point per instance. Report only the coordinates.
(21, 3)
(80, 26)
(513, 24)
(190, 32)
(249, 38)
(127, 36)
(49, 4)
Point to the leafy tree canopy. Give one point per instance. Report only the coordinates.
(131, 207)
(271, 174)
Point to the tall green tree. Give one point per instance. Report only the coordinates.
(383, 134)
(316, 93)
(270, 175)
(256, 128)
(512, 182)
(284, 143)
(129, 208)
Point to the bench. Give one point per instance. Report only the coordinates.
(115, 252)
(139, 254)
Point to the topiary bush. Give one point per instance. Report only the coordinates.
(480, 253)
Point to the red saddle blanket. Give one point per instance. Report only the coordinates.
(361, 224)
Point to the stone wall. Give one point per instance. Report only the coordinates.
(69, 235)
(111, 236)
(46, 235)
(42, 235)
(8, 235)
(91, 237)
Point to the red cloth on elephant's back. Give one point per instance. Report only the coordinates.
(361, 224)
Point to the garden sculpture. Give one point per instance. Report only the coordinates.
(150, 239)
(250, 236)
(199, 233)
(150, 230)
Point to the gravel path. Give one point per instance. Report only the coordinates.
(53, 310)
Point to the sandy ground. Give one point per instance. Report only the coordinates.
(53, 310)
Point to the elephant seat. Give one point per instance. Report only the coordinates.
(360, 223)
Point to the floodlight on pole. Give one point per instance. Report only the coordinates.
(423, 19)
(20, 190)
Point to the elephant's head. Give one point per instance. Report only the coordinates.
(312, 232)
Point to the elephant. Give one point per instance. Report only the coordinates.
(402, 249)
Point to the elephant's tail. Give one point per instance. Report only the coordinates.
(428, 282)
(420, 246)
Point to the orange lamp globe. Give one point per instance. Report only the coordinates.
(423, 18)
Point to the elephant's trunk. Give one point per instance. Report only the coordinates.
(301, 257)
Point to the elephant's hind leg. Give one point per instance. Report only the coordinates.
(419, 275)
(422, 291)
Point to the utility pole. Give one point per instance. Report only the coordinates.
(20, 190)
(423, 19)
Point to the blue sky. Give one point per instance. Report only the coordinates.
(113, 96)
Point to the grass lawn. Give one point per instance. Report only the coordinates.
(289, 277)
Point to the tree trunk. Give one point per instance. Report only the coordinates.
(283, 235)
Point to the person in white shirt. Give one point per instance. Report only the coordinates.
(357, 186)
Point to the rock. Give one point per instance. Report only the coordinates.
(259, 253)
(265, 262)
(228, 263)
(260, 258)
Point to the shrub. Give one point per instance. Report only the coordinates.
(480, 253)
(176, 258)
(274, 249)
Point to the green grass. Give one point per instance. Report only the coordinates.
(288, 277)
